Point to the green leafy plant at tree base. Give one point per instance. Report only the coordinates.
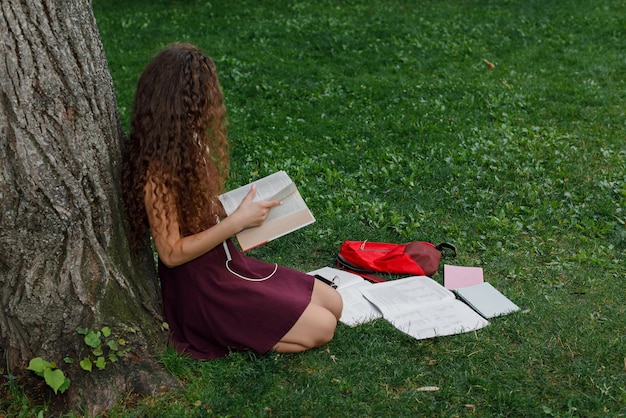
(54, 377)
(103, 348)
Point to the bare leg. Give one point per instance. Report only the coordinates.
(316, 326)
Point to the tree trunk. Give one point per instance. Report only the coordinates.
(64, 257)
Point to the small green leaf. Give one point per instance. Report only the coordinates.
(68, 360)
(65, 385)
(112, 357)
(38, 365)
(101, 363)
(106, 331)
(97, 351)
(113, 345)
(92, 339)
(82, 331)
(121, 341)
(54, 378)
(86, 364)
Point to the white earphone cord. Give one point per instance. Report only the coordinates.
(229, 259)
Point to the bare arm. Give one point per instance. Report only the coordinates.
(174, 249)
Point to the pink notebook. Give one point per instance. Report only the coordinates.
(455, 277)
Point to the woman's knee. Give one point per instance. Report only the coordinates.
(326, 330)
(321, 329)
(315, 327)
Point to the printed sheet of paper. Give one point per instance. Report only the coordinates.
(356, 308)
(422, 308)
(450, 318)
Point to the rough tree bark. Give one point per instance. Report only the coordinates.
(64, 258)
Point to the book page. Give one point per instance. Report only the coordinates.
(267, 188)
(292, 202)
(422, 308)
(272, 229)
(397, 297)
(448, 318)
(356, 309)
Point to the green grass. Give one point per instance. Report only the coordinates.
(387, 118)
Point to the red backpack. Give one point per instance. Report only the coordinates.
(414, 258)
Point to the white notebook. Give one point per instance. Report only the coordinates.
(486, 300)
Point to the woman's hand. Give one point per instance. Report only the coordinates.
(250, 213)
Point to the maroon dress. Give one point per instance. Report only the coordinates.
(214, 305)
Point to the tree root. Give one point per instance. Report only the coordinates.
(93, 393)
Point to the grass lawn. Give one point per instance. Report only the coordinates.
(394, 127)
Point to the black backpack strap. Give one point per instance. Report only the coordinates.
(341, 261)
(343, 264)
(447, 250)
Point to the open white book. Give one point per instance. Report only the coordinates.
(293, 214)
(422, 308)
(468, 284)
(417, 305)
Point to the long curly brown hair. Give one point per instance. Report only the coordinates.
(178, 139)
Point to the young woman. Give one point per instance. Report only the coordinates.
(216, 299)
